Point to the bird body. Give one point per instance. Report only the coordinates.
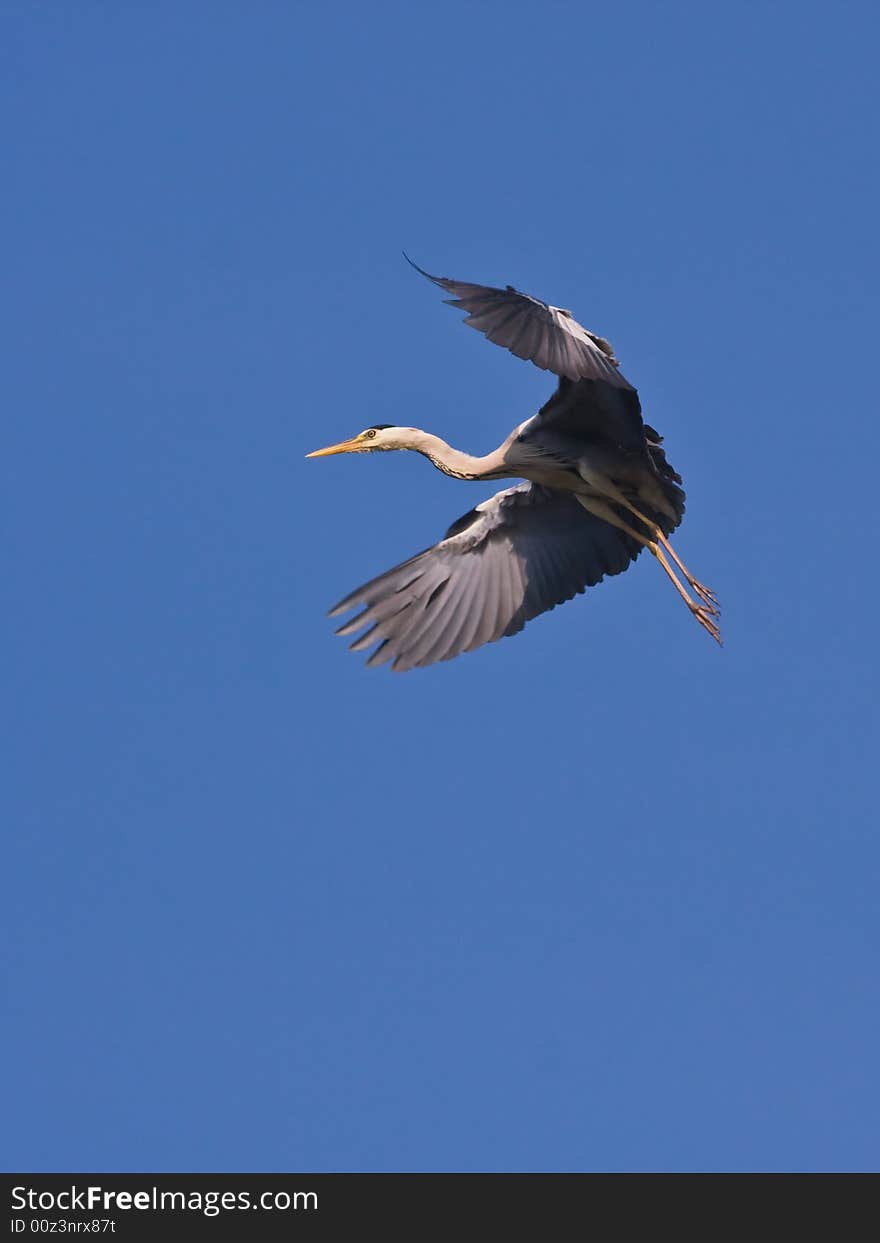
(598, 489)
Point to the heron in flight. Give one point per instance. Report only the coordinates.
(598, 489)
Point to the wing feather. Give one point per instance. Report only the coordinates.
(448, 630)
(545, 335)
(515, 556)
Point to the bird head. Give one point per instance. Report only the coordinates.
(381, 436)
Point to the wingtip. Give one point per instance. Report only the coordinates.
(427, 275)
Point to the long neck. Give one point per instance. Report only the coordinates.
(455, 463)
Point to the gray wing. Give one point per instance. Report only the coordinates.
(516, 555)
(594, 412)
(546, 335)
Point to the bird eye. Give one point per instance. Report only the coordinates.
(370, 434)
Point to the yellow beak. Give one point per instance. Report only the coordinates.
(344, 446)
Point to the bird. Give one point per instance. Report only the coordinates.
(596, 489)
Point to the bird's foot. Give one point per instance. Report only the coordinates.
(706, 595)
(706, 617)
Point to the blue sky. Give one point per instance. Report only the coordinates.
(601, 896)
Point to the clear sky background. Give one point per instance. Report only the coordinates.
(601, 896)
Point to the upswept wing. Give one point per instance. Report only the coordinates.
(593, 412)
(545, 335)
(516, 555)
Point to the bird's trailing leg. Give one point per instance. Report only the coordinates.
(705, 614)
(710, 600)
(705, 593)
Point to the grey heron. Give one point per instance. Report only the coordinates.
(598, 489)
